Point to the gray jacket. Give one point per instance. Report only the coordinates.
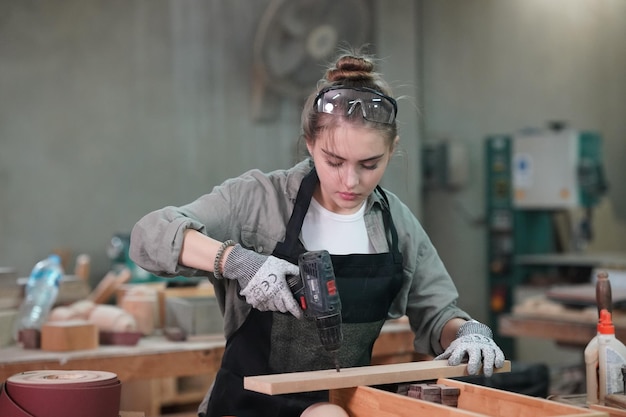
(253, 210)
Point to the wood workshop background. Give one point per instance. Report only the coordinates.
(112, 108)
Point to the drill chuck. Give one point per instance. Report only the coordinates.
(329, 329)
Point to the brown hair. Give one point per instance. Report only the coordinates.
(350, 70)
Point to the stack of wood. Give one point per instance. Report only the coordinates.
(435, 393)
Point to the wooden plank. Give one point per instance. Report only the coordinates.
(495, 402)
(109, 285)
(615, 400)
(474, 401)
(352, 377)
(611, 411)
(367, 402)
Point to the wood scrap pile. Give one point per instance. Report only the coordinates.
(434, 393)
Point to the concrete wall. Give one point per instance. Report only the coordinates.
(113, 108)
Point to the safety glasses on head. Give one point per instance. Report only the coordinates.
(343, 101)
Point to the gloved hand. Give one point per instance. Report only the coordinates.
(474, 340)
(262, 280)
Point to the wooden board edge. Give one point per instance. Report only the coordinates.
(608, 411)
(482, 396)
(288, 383)
(365, 401)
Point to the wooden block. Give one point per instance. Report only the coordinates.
(352, 377)
(426, 392)
(450, 395)
(63, 336)
(415, 390)
(437, 393)
(447, 391)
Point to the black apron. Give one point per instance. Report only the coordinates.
(271, 342)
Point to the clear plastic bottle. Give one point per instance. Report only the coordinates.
(40, 294)
(611, 358)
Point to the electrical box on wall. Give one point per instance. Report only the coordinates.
(551, 167)
(445, 165)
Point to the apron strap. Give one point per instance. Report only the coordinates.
(289, 248)
(397, 256)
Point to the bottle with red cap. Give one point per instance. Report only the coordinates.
(611, 358)
(604, 299)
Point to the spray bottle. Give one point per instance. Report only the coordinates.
(611, 358)
(604, 300)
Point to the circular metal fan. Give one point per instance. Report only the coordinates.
(297, 38)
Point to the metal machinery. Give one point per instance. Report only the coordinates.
(541, 187)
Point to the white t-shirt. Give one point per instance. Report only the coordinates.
(339, 234)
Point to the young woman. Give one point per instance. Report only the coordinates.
(249, 232)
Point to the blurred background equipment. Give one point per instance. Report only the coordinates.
(117, 252)
(542, 186)
(294, 42)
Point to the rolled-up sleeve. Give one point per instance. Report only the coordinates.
(157, 238)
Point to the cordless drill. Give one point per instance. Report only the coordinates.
(316, 291)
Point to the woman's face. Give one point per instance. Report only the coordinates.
(350, 162)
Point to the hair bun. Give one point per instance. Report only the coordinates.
(350, 68)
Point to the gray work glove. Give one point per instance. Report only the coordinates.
(262, 280)
(474, 340)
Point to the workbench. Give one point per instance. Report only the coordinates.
(152, 357)
(541, 318)
(144, 368)
(561, 331)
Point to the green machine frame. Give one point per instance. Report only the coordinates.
(513, 231)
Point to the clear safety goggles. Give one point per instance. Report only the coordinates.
(343, 101)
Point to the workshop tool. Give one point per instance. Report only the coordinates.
(316, 291)
(604, 295)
